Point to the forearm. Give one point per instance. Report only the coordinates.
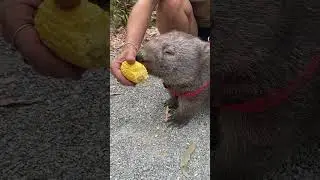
(138, 21)
(12, 22)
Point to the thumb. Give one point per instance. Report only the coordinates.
(130, 60)
(131, 57)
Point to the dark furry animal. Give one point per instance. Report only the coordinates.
(182, 61)
(265, 82)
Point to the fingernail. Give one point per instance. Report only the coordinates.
(131, 61)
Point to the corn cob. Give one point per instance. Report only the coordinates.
(135, 73)
(76, 31)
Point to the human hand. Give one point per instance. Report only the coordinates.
(16, 17)
(128, 54)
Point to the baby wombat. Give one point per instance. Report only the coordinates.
(182, 61)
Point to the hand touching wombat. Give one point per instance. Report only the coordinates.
(182, 61)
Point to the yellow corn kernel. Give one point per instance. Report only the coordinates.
(135, 73)
(78, 35)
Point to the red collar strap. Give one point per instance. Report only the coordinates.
(276, 96)
(189, 93)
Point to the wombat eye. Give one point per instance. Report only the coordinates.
(169, 53)
(168, 50)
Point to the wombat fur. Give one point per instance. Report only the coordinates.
(258, 46)
(182, 61)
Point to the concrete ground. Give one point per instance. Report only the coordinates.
(58, 129)
(142, 146)
(49, 128)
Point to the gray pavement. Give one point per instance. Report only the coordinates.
(142, 146)
(63, 133)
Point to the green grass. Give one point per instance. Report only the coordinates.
(119, 12)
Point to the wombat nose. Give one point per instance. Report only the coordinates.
(139, 57)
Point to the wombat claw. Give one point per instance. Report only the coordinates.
(175, 121)
(171, 103)
(177, 124)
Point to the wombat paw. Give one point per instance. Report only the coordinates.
(172, 103)
(177, 121)
(177, 124)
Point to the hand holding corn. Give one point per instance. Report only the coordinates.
(16, 18)
(76, 31)
(135, 73)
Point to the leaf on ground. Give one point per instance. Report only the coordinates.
(10, 102)
(7, 80)
(167, 114)
(115, 94)
(186, 158)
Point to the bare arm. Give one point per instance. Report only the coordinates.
(136, 28)
(138, 21)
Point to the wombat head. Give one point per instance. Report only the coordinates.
(176, 57)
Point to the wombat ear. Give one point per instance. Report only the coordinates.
(206, 47)
(204, 50)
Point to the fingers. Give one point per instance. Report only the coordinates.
(115, 70)
(131, 52)
(128, 55)
(42, 59)
(15, 15)
(131, 59)
(18, 13)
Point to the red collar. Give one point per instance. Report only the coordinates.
(276, 96)
(189, 93)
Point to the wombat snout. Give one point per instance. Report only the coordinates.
(139, 57)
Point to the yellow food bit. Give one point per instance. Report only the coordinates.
(79, 35)
(134, 72)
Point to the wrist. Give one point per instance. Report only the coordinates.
(130, 46)
(16, 34)
(129, 53)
